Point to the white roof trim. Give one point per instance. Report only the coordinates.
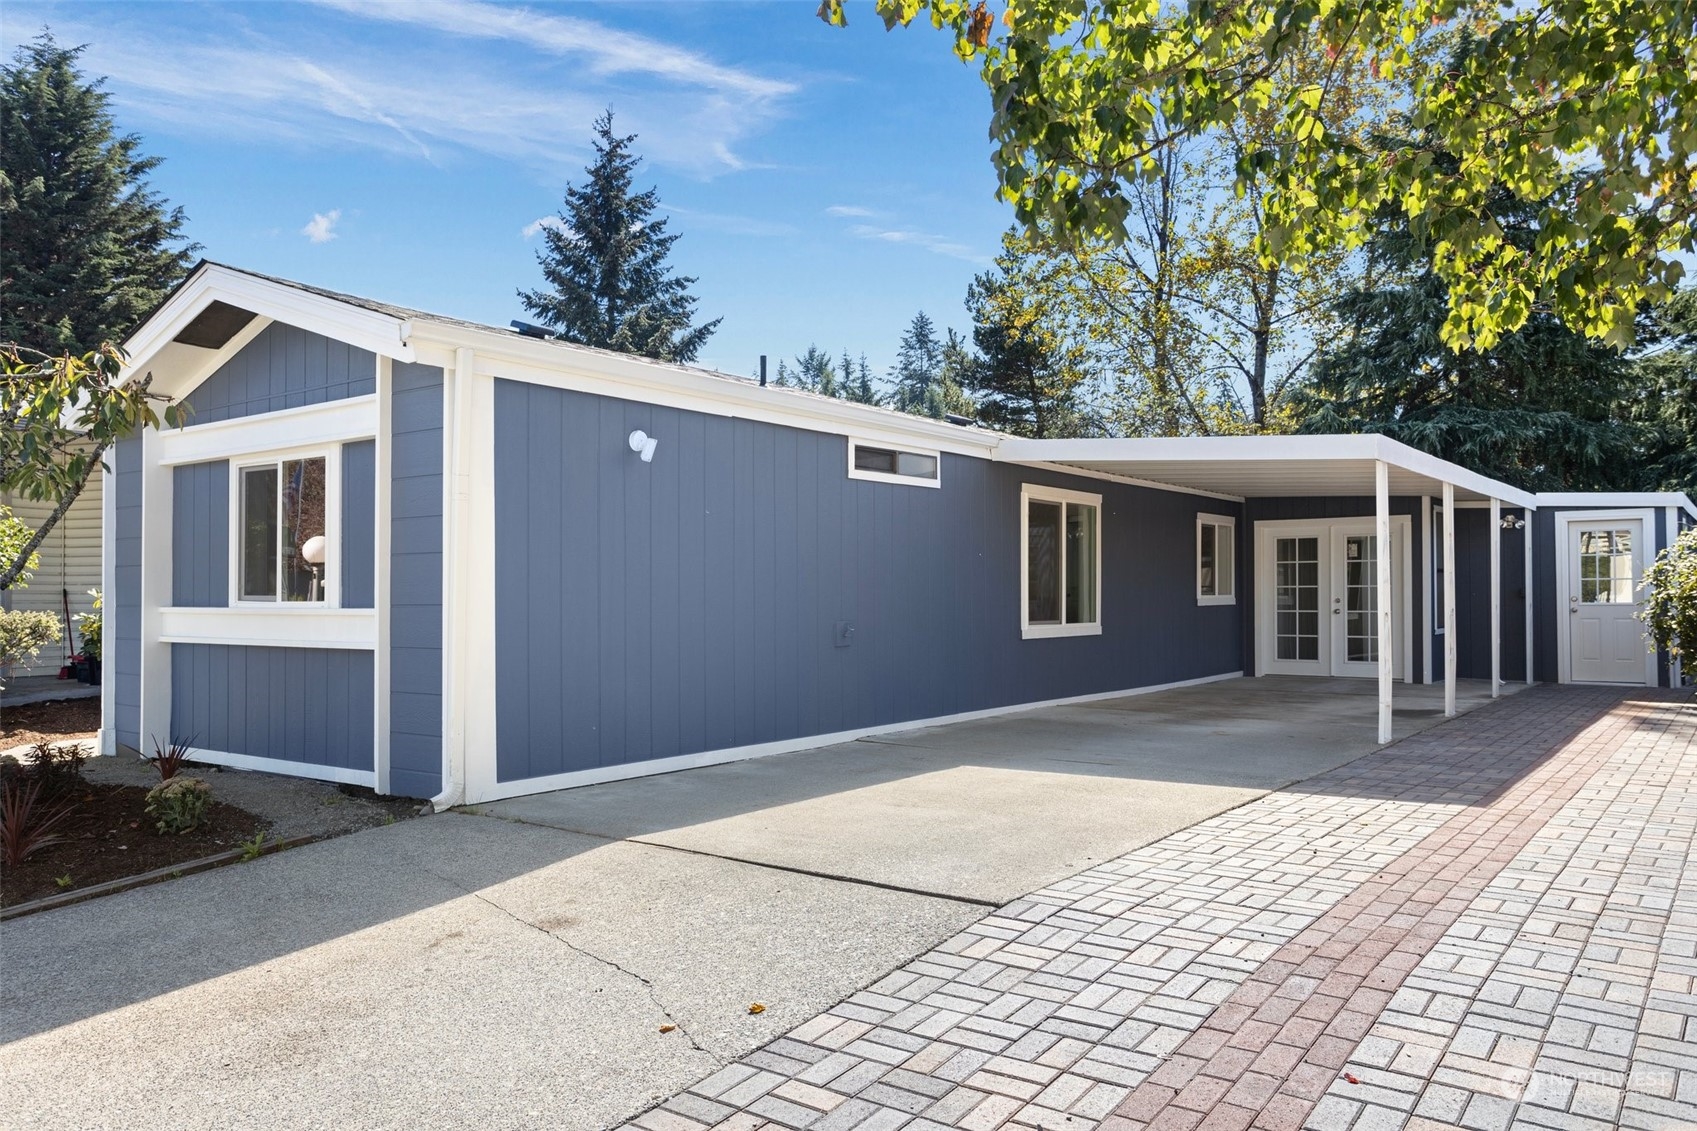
(1618, 499)
(1116, 454)
(382, 334)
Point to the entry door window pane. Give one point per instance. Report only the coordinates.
(1605, 567)
(1296, 593)
(1361, 599)
(259, 532)
(1043, 563)
(1081, 564)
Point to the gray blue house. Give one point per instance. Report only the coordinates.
(456, 562)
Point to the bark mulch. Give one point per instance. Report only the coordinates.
(110, 836)
(58, 721)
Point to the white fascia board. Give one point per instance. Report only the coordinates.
(1618, 499)
(1231, 449)
(514, 357)
(382, 334)
(328, 422)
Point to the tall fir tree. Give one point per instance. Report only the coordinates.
(919, 363)
(90, 248)
(1538, 409)
(608, 283)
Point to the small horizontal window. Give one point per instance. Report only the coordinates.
(893, 465)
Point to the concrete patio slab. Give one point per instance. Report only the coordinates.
(987, 810)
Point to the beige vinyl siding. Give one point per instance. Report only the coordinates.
(70, 560)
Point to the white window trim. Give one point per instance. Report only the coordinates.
(1028, 631)
(1216, 598)
(885, 477)
(332, 456)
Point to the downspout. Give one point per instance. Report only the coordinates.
(457, 481)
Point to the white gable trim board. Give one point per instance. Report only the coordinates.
(594, 616)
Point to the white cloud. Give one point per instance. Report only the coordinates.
(322, 227)
(849, 210)
(553, 223)
(940, 245)
(527, 96)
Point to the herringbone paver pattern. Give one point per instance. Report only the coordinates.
(1418, 919)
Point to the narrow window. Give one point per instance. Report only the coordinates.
(1438, 569)
(1062, 558)
(893, 465)
(1216, 560)
(283, 540)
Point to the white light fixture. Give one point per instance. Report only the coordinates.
(643, 444)
(313, 549)
(1509, 522)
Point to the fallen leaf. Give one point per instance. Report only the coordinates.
(1350, 1079)
(757, 1008)
(667, 1028)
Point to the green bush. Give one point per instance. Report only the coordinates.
(179, 805)
(1670, 598)
(88, 627)
(24, 634)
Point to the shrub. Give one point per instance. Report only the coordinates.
(24, 634)
(26, 825)
(1670, 597)
(179, 804)
(58, 769)
(171, 760)
(88, 627)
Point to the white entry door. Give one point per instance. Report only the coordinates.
(1318, 598)
(1605, 562)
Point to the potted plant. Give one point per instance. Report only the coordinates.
(88, 627)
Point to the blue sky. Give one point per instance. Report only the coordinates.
(827, 183)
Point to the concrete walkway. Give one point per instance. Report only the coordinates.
(1490, 925)
(465, 971)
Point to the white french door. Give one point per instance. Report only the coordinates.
(1318, 598)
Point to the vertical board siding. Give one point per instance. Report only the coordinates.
(283, 367)
(1473, 597)
(125, 655)
(200, 535)
(306, 705)
(415, 582)
(1328, 507)
(359, 524)
(645, 611)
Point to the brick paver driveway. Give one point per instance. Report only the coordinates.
(1492, 924)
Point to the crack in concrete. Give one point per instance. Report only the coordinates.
(653, 992)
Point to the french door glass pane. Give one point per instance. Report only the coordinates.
(1361, 599)
(1043, 563)
(259, 532)
(1296, 593)
(303, 518)
(1081, 564)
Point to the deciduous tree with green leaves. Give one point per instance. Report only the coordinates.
(89, 246)
(1581, 107)
(58, 417)
(604, 262)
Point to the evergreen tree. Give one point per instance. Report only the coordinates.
(90, 248)
(1031, 371)
(1536, 410)
(1662, 402)
(861, 389)
(919, 364)
(605, 265)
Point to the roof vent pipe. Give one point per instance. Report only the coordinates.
(762, 371)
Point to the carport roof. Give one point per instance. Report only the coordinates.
(1266, 466)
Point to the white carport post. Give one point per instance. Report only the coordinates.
(1382, 559)
(1449, 600)
(1526, 545)
(1496, 597)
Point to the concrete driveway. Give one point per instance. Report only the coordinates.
(516, 972)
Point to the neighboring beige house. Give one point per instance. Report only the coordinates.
(70, 564)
